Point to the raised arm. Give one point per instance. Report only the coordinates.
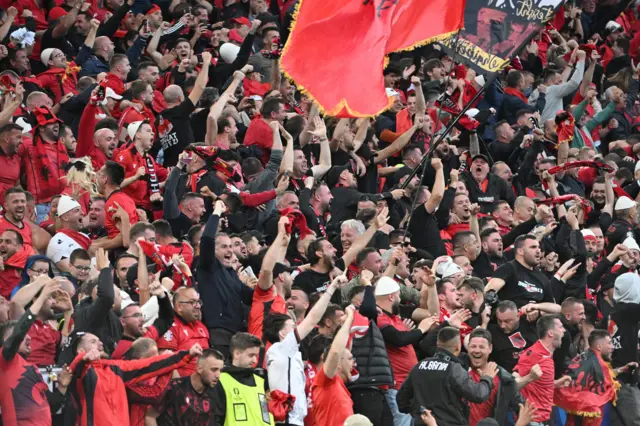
(315, 314)
(287, 157)
(208, 239)
(437, 193)
(399, 143)
(25, 295)
(201, 80)
(362, 241)
(320, 131)
(339, 345)
(265, 281)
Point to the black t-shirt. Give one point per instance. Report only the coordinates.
(311, 281)
(522, 285)
(180, 225)
(425, 233)
(507, 347)
(175, 132)
(623, 326)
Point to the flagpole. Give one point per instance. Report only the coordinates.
(434, 145)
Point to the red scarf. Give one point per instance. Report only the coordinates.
(512, 91)
(297, 221)
(19, 259)
(82, 240)
(586, 163)
(49, 183)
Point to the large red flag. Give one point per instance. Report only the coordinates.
(592, 387)
(337, 48)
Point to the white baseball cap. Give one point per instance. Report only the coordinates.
(133, 128)
(66, 204)
(386, 285)
(631, 244)
(391, 92)
(624, 203)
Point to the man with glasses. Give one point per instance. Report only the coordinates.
(187, 328)
(133, 320)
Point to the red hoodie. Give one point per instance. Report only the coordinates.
(101, 385)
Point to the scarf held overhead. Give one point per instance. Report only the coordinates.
(326, 34)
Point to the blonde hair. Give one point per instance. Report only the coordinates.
(85, 179)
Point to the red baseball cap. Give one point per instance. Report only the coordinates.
(242, 20)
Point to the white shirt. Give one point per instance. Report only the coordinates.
(278, 357)
(61, 246)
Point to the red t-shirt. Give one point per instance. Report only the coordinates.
(9, 279)
(310, 372)
(126, 342)
(44, 342)
(10, 166)
(25, 231)
(265, 302)
(483, 410)
(402, 359)
(260, 133)
(127, 204)
(541, 391)
(181, 336)
(332, 403)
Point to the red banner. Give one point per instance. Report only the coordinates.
(337, 49)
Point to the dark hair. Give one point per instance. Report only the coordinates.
(19, 238)
(409, 149)
(211, 353)
(506, 305)
(461, 238)
(162, 228)
(570, 302)
(521, 240)
(362, 255)
(271, 105)
(107, 123)
(546, 323)
(317, 348)
(431, 64)
(314, 246)
(272, 326)
(224, 121)
(330, 313)
(138, 88)
(144, 65)
(513, 78)
(356, 291)
(473, 283)
(440, 285)
(191, 233)
(447, 335)
(548, 75)
(88, 286)
(79, 254)
(486, 233)
(114, 172)
(251, 166)
(596, 335)
(498, 204)
(9, 127)
(14, 190)
(243, 341)
(482, 333)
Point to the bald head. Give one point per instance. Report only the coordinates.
(101, 42)
(38, 99)
(173, 94)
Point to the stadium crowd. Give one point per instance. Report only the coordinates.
(186, 240)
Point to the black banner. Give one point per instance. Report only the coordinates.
(496, 30)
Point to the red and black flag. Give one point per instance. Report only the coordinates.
(592, 387)
(337, 49)
(495, 31)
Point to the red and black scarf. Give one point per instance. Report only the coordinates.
(49, 183)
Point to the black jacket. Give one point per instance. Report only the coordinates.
(497, 189)
(220, 288)
(442, 385)
(507, 397)
(96, 316)
(369, 351)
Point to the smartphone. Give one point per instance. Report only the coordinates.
(249, 271)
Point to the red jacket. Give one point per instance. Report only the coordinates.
(86, 145)
(59, 83)
(101, 385)
(131, 115)
(131, 160)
